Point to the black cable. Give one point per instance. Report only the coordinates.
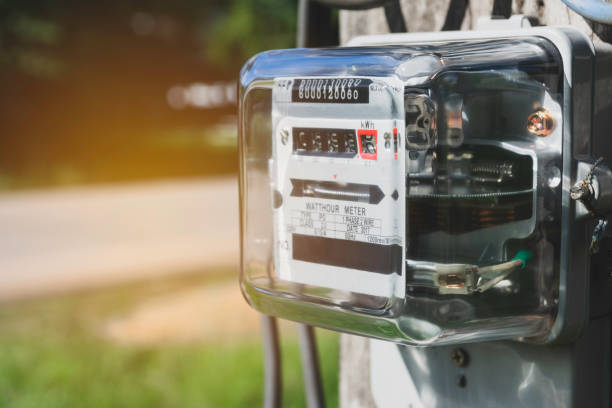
(355, 4)
(302, 23)
(317, 25)
(395, 18)
(455, 15)
(313, 386)
(502, 8)
(273, 380)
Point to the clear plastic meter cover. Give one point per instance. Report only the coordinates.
(409, 193)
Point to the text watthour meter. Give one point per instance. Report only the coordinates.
(417, 190)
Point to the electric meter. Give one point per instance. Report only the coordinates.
(415, 188)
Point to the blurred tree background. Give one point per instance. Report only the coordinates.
(85, 86)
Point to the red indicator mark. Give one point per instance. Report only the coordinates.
(368, 142)
(335, 175)
(395, 140)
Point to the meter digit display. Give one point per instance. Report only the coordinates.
(324, 142)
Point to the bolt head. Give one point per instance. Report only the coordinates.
(459, 357)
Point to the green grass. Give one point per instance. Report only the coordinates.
(52, 356)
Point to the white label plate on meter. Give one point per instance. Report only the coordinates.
(338, 174)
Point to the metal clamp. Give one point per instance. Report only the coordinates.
(594, 191)
(516, 21)
(465, 279)
(583, 190)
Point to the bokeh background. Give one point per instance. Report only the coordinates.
(119, 205)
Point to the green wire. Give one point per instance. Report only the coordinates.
(523, 255)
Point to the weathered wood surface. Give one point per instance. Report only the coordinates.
(429, 15)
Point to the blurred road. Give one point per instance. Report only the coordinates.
(56, 240)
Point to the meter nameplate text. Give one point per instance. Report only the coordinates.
(331, 90)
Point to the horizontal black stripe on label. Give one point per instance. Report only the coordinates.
(363, 256)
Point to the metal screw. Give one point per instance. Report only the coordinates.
(459, 357)
(540, 123)
(583, 189)
(284, 135)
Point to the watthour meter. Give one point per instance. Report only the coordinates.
(416, 188)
